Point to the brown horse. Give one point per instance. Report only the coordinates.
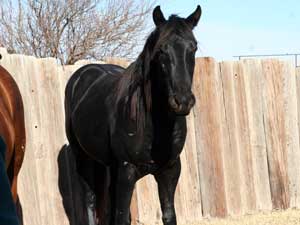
(12, 127)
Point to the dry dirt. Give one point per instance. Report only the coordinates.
(288, 217)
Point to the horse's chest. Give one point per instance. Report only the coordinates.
(154, 143)
(133, 145)
(168, 144)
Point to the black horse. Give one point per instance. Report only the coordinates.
(123, 124)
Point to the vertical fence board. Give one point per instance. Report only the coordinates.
(242, 137)
(51, 105)
(291, 132)
(274, 121)
(134, 209)
(253, 87)
(210, 137)
(297, 200)
(148, 202)
(232, 167)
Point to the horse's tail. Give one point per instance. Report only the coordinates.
(103, 197)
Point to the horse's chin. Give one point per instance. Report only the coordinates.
(183, 113)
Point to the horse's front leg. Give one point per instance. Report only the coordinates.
(167, 181)
(126, 177)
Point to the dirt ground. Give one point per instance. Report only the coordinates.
(288, 217)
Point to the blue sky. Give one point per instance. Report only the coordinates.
(236, 27)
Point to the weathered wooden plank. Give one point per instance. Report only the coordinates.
(52, 133)
(246, 160)
(253, 86)
(232, 168)
(274, 121)
(134, 209)
(297, 72)
(292, 132)
(148, 201)
(209, 115)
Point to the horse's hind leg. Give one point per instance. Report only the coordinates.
(85, 207)
(167, 181)
(86, 169)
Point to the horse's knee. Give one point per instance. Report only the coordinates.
(128, 174)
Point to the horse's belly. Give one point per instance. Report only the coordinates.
(92, 135)
(96, 146)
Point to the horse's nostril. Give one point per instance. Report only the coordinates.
(174, 103)
(182, 104)
(176, 100)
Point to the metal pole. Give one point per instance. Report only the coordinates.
(295, 55)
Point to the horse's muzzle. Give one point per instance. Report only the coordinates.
(182, 104)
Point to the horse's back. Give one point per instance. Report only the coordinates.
(87, 114)
(85, 76)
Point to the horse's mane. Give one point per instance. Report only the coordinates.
(134, 88)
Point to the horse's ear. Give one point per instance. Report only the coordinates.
(158, 16)
(193, 19)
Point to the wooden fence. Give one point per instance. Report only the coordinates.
(242, 153)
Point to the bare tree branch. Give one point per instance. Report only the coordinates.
(71, 30)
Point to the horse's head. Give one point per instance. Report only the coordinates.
(174, 59)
